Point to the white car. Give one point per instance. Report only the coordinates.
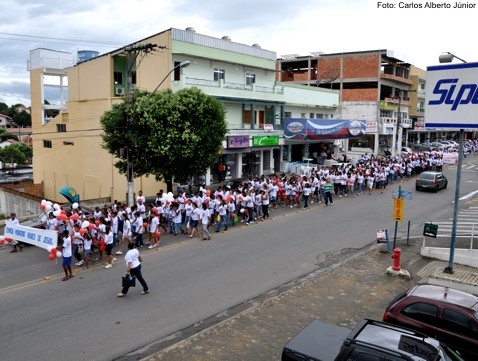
(406, 150)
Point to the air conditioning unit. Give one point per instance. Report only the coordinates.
(119, 90)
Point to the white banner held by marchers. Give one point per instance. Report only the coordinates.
(38, 237)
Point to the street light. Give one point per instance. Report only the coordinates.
(182, 64)
(447, 57)
(129, 164)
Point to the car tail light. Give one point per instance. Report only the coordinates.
(434, 181)
(385, 316)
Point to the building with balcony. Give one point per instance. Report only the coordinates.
(373, 85)
(67, 148)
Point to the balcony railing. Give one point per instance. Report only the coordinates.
(235, 86)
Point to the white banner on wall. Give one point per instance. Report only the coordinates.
(37, 237)
(451, 99)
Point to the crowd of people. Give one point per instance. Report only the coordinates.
(104, 234)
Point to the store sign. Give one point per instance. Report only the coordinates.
(451, 99)
(266, 141)
(303, 129)
(372, 126)
(238, 141)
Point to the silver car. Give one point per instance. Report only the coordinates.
(431, 180)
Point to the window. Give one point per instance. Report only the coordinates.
(456, 322)
(287, 114)
(422, 312)
(302, 115)
(177, 71)
(47, 144)
(320, 116)
(61, 128)
(219, 74)
(311, 115)
(250, 79)
(118, 77)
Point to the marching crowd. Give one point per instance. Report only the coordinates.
(104, 234)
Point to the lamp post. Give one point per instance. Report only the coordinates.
(182, 64)
(448, 58)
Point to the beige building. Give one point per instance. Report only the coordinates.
(67, 149)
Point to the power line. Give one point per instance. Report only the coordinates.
(104, 43)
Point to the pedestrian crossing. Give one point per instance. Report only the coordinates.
(466, 167)
(466, 227)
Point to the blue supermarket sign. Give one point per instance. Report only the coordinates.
(451, 99)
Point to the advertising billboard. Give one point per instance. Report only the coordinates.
(451, 99)
(303, 129)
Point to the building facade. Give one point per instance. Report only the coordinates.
(374, 87)
(67, 149)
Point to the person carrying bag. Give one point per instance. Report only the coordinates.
(133, 271)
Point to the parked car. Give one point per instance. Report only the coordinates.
(449, 315)
(431, 180)
(370, 340)
(406, 150)
(437, 146)
(422, 147)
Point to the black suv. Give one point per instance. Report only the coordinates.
(369, 341)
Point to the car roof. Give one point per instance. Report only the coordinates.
(429, 172)
(446, 295)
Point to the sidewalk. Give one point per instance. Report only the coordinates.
(353, 285)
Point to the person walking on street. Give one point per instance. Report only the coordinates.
(133, 268)
(126, 238)
(109, 241)
(11, 222)
(328, 189)
(65, 248)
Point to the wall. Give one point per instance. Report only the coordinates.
(360, 95)
(23, 199)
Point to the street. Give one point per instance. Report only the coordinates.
(191, 280)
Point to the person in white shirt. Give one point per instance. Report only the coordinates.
(11, 222)
(133, 268)
(109, 241)
(139, 230)
(65, 248)
(126, 233)
(195, 215)
(205, 216)
(153, 231)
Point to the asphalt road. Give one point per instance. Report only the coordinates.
(44, 318)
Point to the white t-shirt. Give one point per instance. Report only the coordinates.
(67, 247)
(132, 256)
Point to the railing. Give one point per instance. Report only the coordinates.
(236, 86)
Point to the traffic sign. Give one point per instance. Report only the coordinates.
(403, 194)
(430, 230)
(398, 205)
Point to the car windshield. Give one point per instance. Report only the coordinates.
(426, 176)
(449, 354)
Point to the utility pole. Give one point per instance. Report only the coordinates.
(132, 52)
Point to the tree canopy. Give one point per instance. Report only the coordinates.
(4, 135)
(19, 117)
(16, 153)
(168, 135)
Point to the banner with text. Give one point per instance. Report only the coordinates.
(38, 237)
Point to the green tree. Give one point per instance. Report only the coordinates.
(3, 108)
(169, 134)
(22, 119)
(16, 153)
(4, 135)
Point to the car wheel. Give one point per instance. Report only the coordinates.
(446, 184)
(436, 188)
(417, 188)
